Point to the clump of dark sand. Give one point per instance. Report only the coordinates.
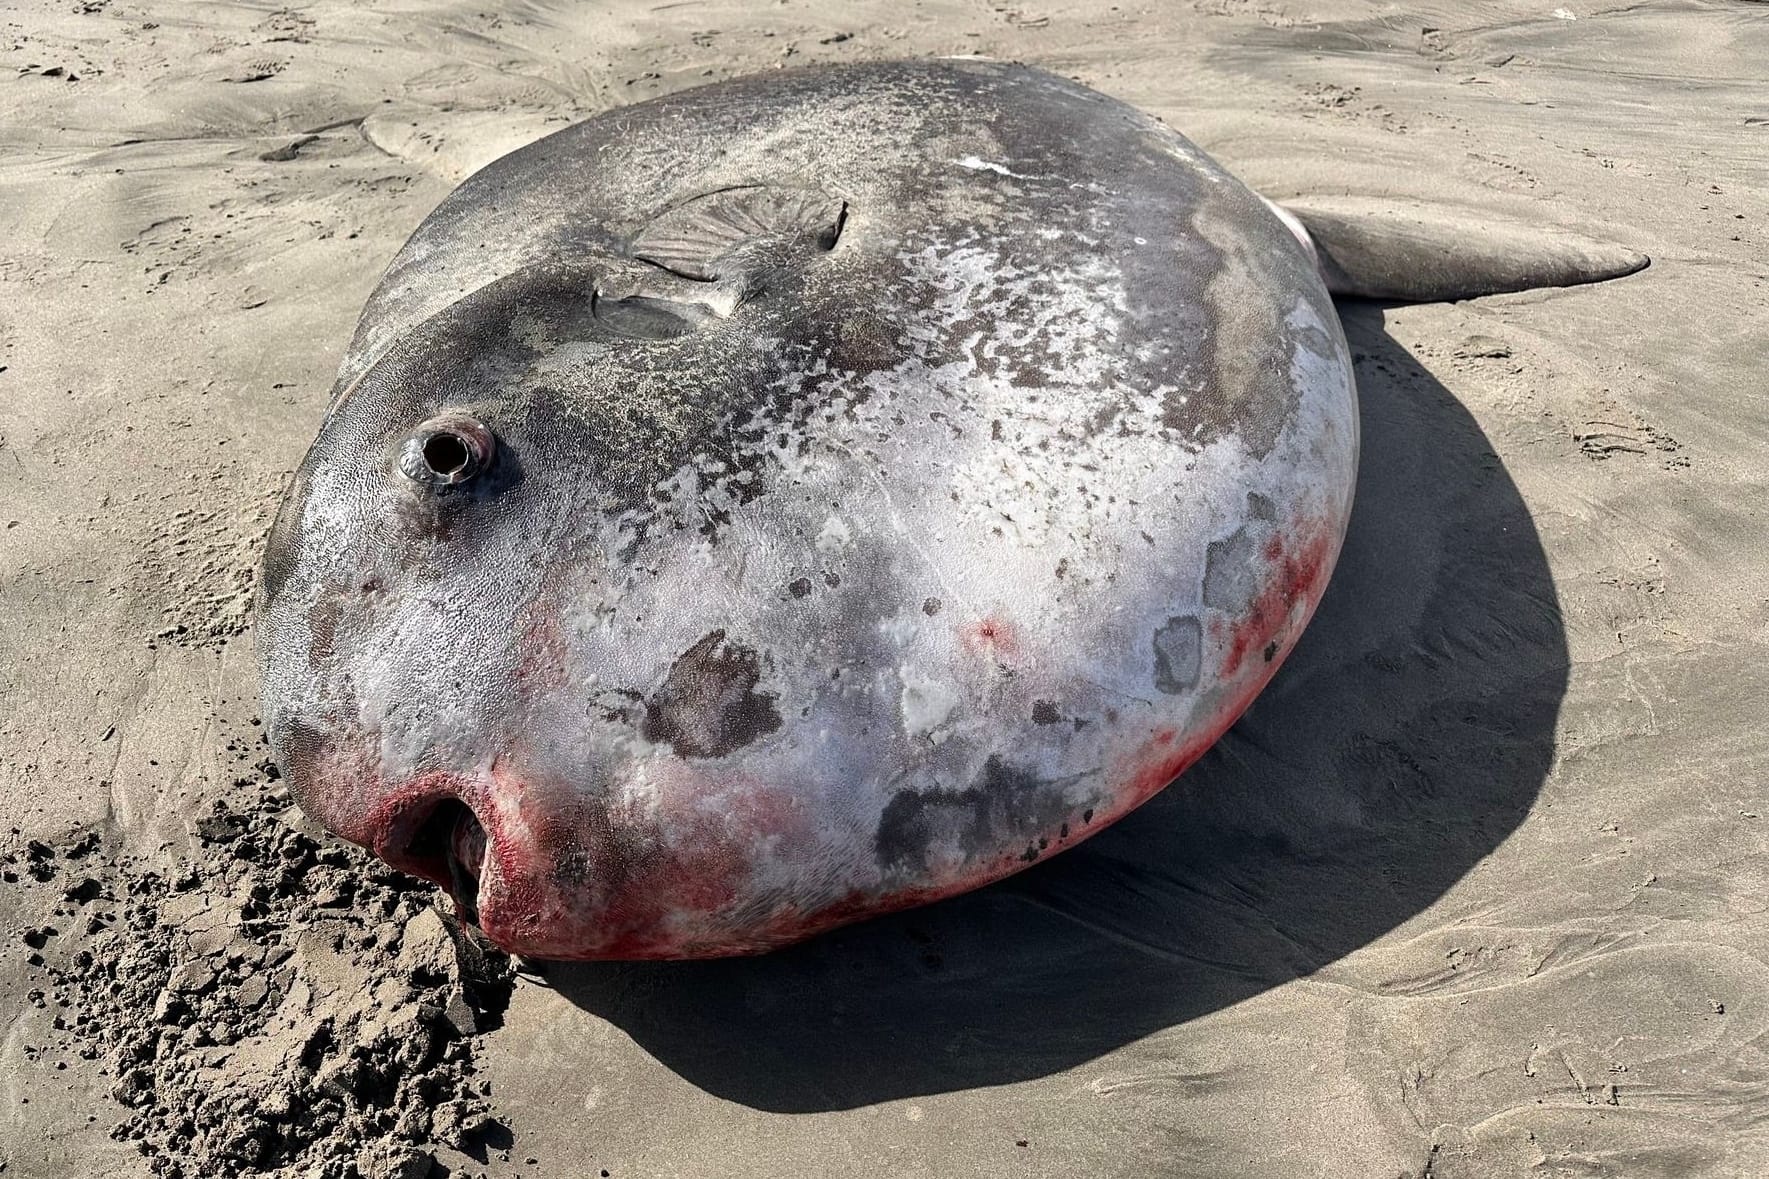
(273, 1002)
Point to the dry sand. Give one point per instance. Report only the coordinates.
(1478, 888)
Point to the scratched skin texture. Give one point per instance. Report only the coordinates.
(962, 508)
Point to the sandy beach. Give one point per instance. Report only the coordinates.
(1479, 887)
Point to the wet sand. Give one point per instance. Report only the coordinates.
(1477, 888)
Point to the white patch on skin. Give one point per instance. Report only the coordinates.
(835, 536)
(977, 164)
(1023, 481)
(927, 704)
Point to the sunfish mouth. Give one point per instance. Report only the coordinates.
(447, 845)
(466, 860)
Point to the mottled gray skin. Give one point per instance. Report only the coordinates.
(818, 579)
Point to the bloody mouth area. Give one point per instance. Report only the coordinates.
(449, 848)
(434, 835)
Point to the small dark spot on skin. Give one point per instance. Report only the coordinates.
(1063, 831)
(1087, 815)
(1062, 567)
(931, 607)
(832, 580)
(1271, 650)
(799, 587)
(995, 432)
(708, 705)
(1045, 713)
(1260, 507)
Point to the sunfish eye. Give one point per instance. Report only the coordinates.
(449, 448)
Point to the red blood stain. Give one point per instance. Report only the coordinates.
(581, 878)
(694, 896)
(570, 877)
(1296, 576)
(390, 830)
(1298, 579)
(1158, 762)
(991, 636)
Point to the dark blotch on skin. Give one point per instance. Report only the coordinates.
(708, 706)
(1228, 572)
(1005, 805)
(931, 607)
(799, 588)
(1179, 652)
(1045, 713)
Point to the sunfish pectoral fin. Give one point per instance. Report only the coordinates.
(640, 300)
(1413, 253)
(709, 237)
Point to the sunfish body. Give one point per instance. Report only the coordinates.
(799, 498)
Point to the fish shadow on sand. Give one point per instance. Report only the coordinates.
(1406, 737)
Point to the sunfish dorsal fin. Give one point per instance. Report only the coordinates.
(1414, 253)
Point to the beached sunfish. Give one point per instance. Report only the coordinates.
(816, 494)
